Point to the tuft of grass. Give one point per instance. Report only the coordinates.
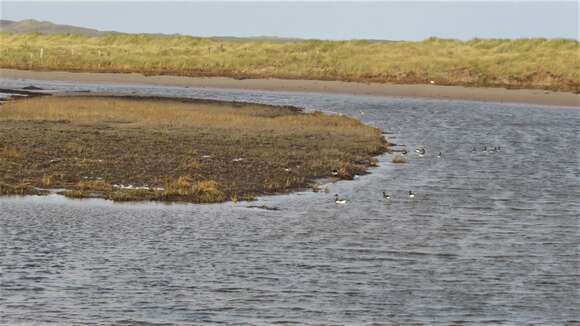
(18, 189)
(182, 182)
(47, 181)
(199, 192)
(10, 153)
(195, 164)
(94, 185)
(77, 194)
(76, 148)
(513, 63)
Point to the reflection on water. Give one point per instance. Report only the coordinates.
(490, 237)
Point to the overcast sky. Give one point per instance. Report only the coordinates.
(303, 19)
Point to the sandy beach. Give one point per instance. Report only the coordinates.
(530, 96)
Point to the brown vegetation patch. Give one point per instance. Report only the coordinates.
(127, 149)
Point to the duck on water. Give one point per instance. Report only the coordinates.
(338, 200)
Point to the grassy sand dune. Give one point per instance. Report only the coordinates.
(160, 149)
(526, 63)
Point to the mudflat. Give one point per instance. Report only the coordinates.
(126, 148)
(529, 96)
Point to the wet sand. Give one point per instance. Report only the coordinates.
(500, 95)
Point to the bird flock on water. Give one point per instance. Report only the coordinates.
(420, 151)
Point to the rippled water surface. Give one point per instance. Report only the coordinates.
(491, 237)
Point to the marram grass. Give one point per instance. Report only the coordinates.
(522, 63)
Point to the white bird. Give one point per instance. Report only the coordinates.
(339, 200)
(411, 194)
(420, 152)
(335, 172)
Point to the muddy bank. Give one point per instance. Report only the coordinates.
(540, 97)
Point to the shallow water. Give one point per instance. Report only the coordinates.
(489, 238)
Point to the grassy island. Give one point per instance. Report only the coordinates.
(525, 63)
(127, 149)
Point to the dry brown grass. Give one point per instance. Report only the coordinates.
(18, 189)
(203, 191)
(47, 181)
(10, 153)
(166, 114)
(177, 150)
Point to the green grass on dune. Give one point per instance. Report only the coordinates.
(523, 63)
